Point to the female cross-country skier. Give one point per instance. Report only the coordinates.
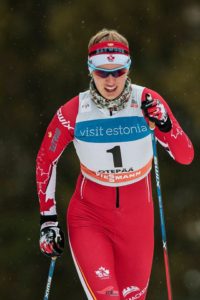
(110, 218)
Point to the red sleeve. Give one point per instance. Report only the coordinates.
(59, 134)
(176, 142)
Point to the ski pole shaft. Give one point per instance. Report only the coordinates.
(161, 210)
(50, 276)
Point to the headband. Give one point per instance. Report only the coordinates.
(108, 52)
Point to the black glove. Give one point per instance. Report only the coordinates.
(155, 111)
(51, 237)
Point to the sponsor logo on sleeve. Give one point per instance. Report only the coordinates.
(63, 121)
(54, 141)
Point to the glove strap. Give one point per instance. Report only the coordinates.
(50, 218)
(49, 224)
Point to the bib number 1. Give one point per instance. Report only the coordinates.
(117, 157)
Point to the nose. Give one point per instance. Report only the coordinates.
(110, 79)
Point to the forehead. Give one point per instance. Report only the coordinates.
(110, 66)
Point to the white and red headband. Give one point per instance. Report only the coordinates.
(108, 52)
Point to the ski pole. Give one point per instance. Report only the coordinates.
(162, 219)
(50, 275)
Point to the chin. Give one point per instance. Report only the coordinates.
(111, 96)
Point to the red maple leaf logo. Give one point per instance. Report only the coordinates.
(46, 205)
(110, 58)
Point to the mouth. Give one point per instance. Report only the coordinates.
(110, 89)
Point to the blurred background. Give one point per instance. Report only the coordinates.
(43, 46)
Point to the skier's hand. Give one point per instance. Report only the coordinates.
(51, 239)
(155, 111)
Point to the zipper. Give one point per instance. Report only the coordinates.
(117, 197)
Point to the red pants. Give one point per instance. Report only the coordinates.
(111, 235)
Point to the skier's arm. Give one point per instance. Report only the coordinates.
(59, 133)
(174, 140)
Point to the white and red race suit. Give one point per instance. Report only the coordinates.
(110, 217)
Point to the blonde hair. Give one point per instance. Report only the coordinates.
(107, 35)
